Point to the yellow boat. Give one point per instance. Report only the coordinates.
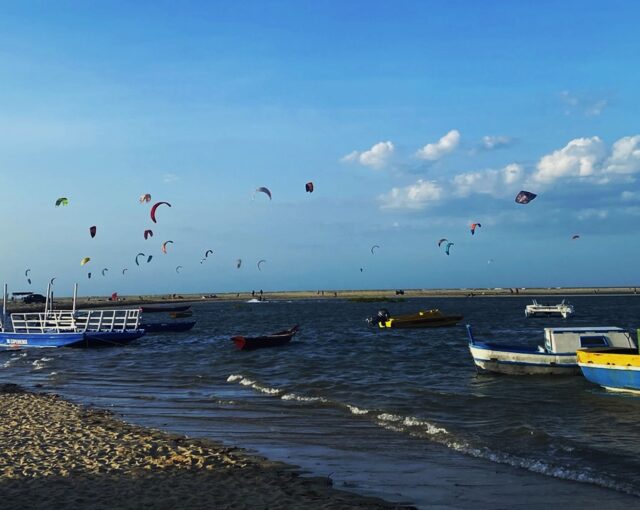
(423, 319)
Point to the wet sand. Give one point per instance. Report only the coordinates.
(56, 454)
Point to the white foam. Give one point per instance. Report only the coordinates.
(357, 410)
(301, 398)
(234, 377)
(389, 417)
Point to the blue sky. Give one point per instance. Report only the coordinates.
(413, 119)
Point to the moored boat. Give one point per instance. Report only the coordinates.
(162, 327)
(69, 328)
(249, 343)
(424, 319)
(562, 309)
(164, 308)
(556, 356)
(612, 368)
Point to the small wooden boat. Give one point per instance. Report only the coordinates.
(556, 356)
(249, 343)
(612, 368)
(426, 319)
(164, 308)
(181, 315)
(167, 327)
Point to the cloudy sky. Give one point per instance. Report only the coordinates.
(413, 120)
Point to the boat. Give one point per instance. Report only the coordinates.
(162, 327)
(536, 309)
(614, 369)
(181, 315)
(69, 328)
(424, 319)
(556, 356)
(164, 308)
(249, 343)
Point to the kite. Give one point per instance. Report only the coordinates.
(51, 281)
(576, 236)
(264, 190)
(89, 276)
(148, 234)
(26, 274)
(85, 260)
(178, 268)
(473, 227)
(62, 201)
(104, 271)
(260, 262)
(124, 271)
(238, 263)
(308, 187)
(149, 258)
(524, 197)
(446, 248)
(164, 246)
(442, 241)
(92, 231)
(137, 256)
(145, 198)
(207, 253)
(372, 248)
(361, 270)
(153, 210)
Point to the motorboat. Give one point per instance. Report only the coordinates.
(556, 356)
(423, 319)
(536, 309)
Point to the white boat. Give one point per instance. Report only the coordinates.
(536, 309)
(556, 356)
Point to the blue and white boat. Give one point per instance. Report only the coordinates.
(69, 328)
(556, 356)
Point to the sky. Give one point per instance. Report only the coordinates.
(413, 119)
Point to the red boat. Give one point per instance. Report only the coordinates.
(249, 343)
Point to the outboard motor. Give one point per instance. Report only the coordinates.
(381, 315)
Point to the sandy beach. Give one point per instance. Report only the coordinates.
(65, 302)
(56, 454)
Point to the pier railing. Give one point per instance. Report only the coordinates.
(80, 321)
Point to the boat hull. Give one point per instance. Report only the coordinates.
(168, 327)
(72, 339)
(247, 343)
(163, 308)
(516, 360)
(613, 369)
(428, 319)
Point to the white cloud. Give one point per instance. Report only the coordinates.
(415, 196)
(169, 178)
(491, 142)
(587, 106)
(446, 144)
(625, 156)
(629, 196)
(490, 182)
(591, 214)
(377, 157)
(581, 157)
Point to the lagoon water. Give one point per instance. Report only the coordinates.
(398, 414)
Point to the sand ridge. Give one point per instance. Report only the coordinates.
(56, 454)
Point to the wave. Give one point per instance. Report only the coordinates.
(418, 427)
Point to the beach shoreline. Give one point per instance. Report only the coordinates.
(66, 302)
(60, 454)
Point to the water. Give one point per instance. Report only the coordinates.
(376, 410)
